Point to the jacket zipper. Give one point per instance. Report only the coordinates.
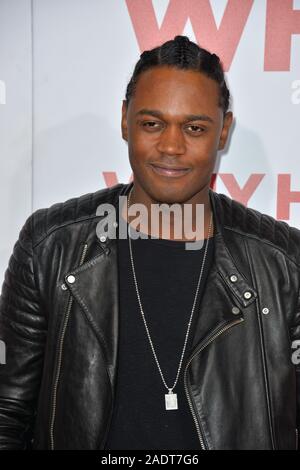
(296, 439)
(61, 342)
(104, 440)
(210, 340)
(263, 352)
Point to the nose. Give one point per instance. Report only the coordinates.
(171, 141)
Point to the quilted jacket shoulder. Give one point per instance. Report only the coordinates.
(233, 216)
(259, 226)
(77, 209)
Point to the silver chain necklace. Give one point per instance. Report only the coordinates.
(170, 397)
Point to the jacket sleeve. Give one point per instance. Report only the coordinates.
(22, 340)
(295, 337)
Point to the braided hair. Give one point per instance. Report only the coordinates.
(184, 54)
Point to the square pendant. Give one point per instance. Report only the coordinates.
(171, 401)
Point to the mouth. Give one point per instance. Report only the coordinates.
(169, 171)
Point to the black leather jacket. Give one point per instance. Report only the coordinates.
(61, 332)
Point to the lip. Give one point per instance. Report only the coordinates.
(170, 172)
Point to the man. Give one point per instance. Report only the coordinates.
(138, 342)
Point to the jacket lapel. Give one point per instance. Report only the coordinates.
(95, 287)
(227, 292)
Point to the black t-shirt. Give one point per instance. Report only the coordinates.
(167, 276)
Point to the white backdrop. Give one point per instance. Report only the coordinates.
(64, 67)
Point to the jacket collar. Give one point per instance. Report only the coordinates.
(224, 259)
(226, 265)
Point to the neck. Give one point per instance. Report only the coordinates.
(190, 223)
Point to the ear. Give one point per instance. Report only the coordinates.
(227, 121)
(124, 121)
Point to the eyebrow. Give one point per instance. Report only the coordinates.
(187, 117)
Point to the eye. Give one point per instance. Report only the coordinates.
(150, 124)
(196, 129)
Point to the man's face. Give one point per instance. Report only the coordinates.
(173, 120)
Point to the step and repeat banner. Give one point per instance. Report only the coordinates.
(64, 67)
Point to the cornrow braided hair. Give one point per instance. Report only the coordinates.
(184, 54)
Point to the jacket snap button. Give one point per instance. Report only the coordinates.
(265, 311)
(102, 238)
(71, 279)
(233, 278)
(63, 286)
(235, 310)
(247, 295)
